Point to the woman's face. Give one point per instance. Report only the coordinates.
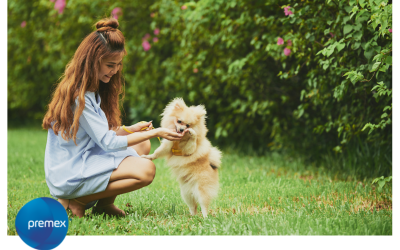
(109, 67)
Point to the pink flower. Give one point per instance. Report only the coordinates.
(155, 40)
(183, 7)
(286, 51)
(146, 45)
(332, 35)
(289, 42)
(156, 31)
(287, 11)
(280, 41)
(146, 37)
(195, 70)
(23, 24)
(60, 5)
(152, 15)
(390, 30)
(116, 11)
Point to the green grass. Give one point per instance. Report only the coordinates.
(271, 195)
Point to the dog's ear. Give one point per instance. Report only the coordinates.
(175, 104)
(200, 110)
(178, 104)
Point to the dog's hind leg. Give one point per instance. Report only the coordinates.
(204, 200)
(187, 196)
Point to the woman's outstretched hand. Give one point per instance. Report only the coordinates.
(141, 126)
(169, 134)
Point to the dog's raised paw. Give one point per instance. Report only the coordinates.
(191, 132)
(149, 157)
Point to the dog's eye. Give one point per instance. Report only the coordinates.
(179, 121)
(187, 125)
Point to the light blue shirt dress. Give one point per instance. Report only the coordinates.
(77, 170)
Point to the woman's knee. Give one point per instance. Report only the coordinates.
(143, 148)
(149, 173)
(147, 147)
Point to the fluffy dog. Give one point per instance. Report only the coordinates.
(193, 160)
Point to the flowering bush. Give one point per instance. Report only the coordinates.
(272, 74)
(43, 36)
(301, 75)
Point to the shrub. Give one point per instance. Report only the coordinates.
(294, 75)
(329, 81)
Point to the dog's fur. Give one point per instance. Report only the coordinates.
(197, 170)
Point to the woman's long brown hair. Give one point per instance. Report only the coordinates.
(81, 75)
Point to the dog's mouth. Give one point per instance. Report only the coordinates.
(177, 130)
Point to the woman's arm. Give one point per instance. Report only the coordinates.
(169, 134)
(134, 128)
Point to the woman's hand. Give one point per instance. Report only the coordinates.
(169, 134)
(140, 125)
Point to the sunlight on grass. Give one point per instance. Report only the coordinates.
(269, 195)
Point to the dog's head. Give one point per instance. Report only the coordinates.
(180, 117)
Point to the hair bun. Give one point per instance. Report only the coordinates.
(107, 23)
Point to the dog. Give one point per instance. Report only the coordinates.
(193, 160)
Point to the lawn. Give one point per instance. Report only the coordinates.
(270, 195)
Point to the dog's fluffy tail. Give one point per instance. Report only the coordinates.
(215, 157)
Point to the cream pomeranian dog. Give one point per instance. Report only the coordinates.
(193, 160)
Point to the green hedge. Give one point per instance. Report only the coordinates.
(334, 86)
(39, 51)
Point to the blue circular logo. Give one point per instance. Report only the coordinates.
(42, 223)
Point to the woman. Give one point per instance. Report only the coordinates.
(102, 159)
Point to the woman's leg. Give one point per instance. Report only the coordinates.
(132, 173)
(141, 148)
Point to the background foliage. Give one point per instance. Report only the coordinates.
(313, 77)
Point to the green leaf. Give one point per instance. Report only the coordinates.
(330, 49)
(357, 35)
(347, 28)
(375, 66)
(384, 115)
(377, 179)
(340, 46)
(369, 53)
(386, 108)
(381, 183)
(218, 132)
(301, 112)
(356, 45)
(389, 178)
(388, 60)
(322, 51)
(378, 57)
(359, 14)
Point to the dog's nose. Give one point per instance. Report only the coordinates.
(181, 129)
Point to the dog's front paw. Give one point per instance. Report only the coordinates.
(149, 157)
(191, 132)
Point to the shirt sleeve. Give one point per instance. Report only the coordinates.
(97, 127)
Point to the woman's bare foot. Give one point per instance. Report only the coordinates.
(110, 210)
(76, 208)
